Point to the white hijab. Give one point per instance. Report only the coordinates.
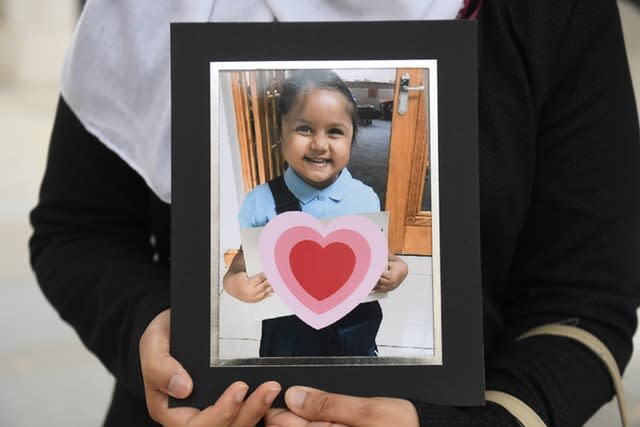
(116, 74)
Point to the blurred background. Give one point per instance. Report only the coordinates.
(48, 376)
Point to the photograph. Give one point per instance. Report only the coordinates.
(332, 140)
(325, 215)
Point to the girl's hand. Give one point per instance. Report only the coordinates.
(309, 407)
(393, 276)
(250, 289)
(245, 288)
(164, 376)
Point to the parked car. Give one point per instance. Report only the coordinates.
(367, 113)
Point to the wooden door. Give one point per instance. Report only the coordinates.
(408, 194)
(255, 98)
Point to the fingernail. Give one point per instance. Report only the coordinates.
(178, 386)
(271, 396)
(240, 394)
(297, 396)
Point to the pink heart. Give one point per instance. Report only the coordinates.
(322, 272)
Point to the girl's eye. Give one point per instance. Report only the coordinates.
(336, 131)
(303, 129)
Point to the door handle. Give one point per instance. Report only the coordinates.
(403, 103)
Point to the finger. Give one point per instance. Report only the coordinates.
(255, 292)
(384, 281)
(382, 286)
(264, 286)
(256, 280)
(225, 410)
(317, 405)
(259, 278)
(280, 417)
(326, 424)
(158, 407)
(257, 404)
(283, 418)
(386, 275)
(264, 294)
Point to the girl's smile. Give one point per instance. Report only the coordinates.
(317, 161)
(317, 134)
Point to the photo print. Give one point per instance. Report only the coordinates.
(308, 153)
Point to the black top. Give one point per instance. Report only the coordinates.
(560, 213)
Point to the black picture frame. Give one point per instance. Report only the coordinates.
(459, 379)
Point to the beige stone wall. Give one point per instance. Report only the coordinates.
(33, 37)
(630, 15)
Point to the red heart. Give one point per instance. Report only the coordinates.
(321, 271)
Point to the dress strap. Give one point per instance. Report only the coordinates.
(283, 197)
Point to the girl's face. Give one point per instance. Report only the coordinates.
(316, 136)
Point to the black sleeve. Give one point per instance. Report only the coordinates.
(575, 254)
(91, 248)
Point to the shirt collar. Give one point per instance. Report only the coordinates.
(305, 192)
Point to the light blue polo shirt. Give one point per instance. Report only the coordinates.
(346, 196)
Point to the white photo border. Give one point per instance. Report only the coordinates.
(431, 68)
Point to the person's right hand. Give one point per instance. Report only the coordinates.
(164, 376)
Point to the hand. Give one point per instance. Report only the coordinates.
(393, 276)
(249, 289)
(164, 376)
(245, 288)
(309, 407)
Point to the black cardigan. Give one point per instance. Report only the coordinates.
(560, 213)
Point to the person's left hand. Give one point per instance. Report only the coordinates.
(395, 273)
(311, 407)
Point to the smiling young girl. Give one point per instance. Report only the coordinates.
(318, 127)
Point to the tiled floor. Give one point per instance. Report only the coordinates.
(48, 377)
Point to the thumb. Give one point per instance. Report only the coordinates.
(179, 384)
(318, 405)
(161, 371)
(167, 375)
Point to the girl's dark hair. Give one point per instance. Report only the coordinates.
(303, 81)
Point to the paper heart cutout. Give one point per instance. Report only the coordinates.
(308, 264)
(333, 263)
(291, 237)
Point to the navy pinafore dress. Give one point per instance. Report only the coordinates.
(353, 335)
